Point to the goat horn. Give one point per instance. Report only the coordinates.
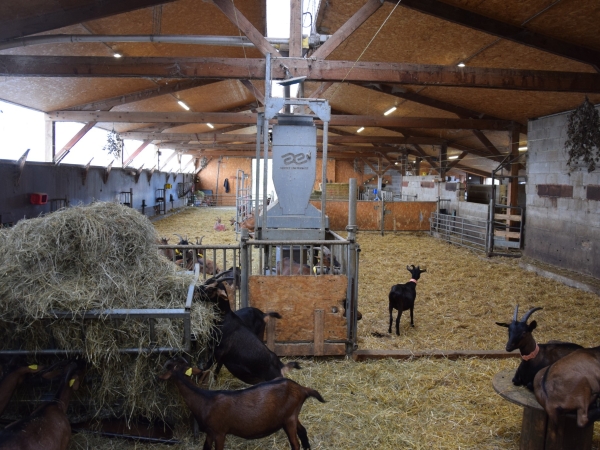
(515, 316)
(529, 313)
(179, 236)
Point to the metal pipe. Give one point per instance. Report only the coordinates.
(259, 130)
(245, 263)
(324, 177)
(266, 141)
(229, 41)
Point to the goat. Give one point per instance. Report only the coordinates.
(288, 266)
(168, 253)
(249, 413)
(12, 378)
(238, 348)
(47, 428)
(402, 297)
(206, 265)
(571, 383)
(535, 356)
(255, 320)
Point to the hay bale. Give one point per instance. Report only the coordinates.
(101, 256)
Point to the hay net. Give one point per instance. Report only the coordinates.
(101, 256)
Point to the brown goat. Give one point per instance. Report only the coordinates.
(250, 413)
(571, 383)
(11, 380)
(288, 266)
(47, 428)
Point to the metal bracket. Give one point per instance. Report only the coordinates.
(150, 173)
(138, 172)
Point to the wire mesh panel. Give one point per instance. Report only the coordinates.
(468, 232)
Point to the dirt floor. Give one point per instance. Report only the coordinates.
(422, 403)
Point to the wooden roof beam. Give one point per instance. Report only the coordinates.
(349, 139)
(460, 111)
(74, 140)
(57, 16)
(260, 97)
(136, 153)
(347, 29)
(108, 103)
(250, 119)
(314, 70)
(504, 30)
(245, 26)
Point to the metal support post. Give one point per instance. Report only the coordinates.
(351, 298)
(245, 263)
(259, 130)
(324, 177)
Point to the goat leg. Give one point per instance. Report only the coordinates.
(411, 318)
(391, 318)
(291, 432)
(398, 321)
(303, 435)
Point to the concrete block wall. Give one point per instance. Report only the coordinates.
(560, 229)
(65, 181)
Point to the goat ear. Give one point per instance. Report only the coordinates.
(502, 324)
(532, 326)
(165, 376)
(423, 270)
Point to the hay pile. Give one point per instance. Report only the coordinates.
(101, 256)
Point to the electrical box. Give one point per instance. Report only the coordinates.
(168, 186)
(37, 198)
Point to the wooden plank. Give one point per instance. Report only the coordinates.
(513, 217)
(250, 119)
(240, 21)
(318, 339)
(295, 50)
(347, 29)
(507, 234)
(59, 15)
(504, 30)
(257, 94)
(314, 70)
(364, 355)
(139, 150)
(296, 298)
(108, 103)
(73, 141)
(307, 349)
(218, 137)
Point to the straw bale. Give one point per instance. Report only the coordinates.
(101, 256)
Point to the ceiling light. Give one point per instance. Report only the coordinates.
(210, 125)
(396, 163)
(117, 55)
(522, 149)
(360, 129)
(183, 105)
(461, 64)
(453, 157)
(389, 111)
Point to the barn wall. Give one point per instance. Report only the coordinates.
(65, 181)
(563, 210)
(402, 216)
(213, 176)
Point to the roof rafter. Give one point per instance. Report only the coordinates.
(347, 28)
(504, 30)
(58, 16)
(108, 103)
(245, 26)
(314, 70)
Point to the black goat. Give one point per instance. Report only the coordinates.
(250, 413)
(535, 356)
(238, 348)
(402, 297)
(255, 320)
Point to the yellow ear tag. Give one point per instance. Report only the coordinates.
(71, 382)
(189, 372)
(33, 367)
(315, 269)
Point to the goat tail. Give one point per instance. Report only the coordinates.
(315, 394)
(273, 314)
